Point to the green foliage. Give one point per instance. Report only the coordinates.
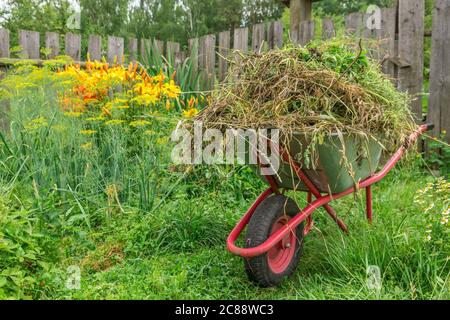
(336, 7)
(439, 155)
(25, 251)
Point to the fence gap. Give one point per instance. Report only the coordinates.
(133, 49)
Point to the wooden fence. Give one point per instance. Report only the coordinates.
(400, 40)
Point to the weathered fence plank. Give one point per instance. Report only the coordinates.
(411, 47)
(95, 48)
(439, 104)
(241, 39)
(354, 24)
(258, 37)
(387, 42)
(193, 52)
(158, 45)
(328, 31)
(4, 43)
(224, 53)
(306, 32)
(275, 35)
(173, 48)
(73, 46)
(207, 59)
(52, 44)
(179, 59)
(301, 10)
(146, 45)
(29, 41)
(115, 49)
(133, 49)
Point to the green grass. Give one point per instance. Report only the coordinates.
(163, 235)
(179, 253)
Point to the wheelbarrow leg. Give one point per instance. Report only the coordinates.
(369, 204)
(309, 220)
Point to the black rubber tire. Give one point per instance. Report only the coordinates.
(258, 231)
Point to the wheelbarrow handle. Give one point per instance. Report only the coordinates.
(430, 126)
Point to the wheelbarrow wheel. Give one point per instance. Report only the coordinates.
(271, 268)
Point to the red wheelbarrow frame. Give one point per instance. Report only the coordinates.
(321, 200)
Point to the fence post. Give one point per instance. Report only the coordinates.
(115, 49)
(354, 24)
(4, 43)
(29, 41)
(439, 105)
(193, 52)
(95, 48)
(328, 31)
(173, 48)
(388, 48)
(73, 46)
(258, 37)
(306, 32)
(146, 45)
(241, 39)
(275, 35)
(224, 53)
(301, 10)
(52, 43)
(159, 45)
(133, 49)
(411, 46)
(207, 59)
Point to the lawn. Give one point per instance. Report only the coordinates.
(81, 193)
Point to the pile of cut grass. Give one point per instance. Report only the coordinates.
(327, 88)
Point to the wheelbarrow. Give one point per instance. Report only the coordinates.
(276, 226)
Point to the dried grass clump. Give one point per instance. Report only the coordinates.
(322, 89)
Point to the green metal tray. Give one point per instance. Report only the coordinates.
(330, 172)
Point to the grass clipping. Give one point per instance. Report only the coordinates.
(323, 89)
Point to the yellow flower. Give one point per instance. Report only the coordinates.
(120, 101)
(86, 146)
(162, 141)
(88, 132)
(139, 123)
(146, 99)
(99, 118)
(190, 113)
(36, 123)
(123, 107)
(171, 90)
(73, 114)
(114, 122)
(150, 132)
